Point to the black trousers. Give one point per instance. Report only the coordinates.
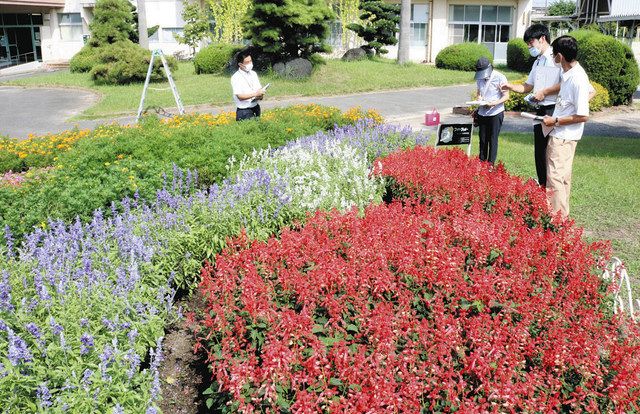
(540, 145)
(247, 113)
(489, 131)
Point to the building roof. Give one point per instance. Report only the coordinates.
(31, 3)
(624, 10)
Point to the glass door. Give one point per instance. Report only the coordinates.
(5, 60)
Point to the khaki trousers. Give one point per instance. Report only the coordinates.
(560, 154)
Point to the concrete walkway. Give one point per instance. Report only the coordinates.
(46, 110)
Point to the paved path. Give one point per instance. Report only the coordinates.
(44, 110)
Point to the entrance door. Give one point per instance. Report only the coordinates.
(21, 44)
(4, 49)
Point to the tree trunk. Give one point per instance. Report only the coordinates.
(143, 35)
(405, 32)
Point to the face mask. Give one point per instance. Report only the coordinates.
(534, 51)
(248, 67)
(557, 64)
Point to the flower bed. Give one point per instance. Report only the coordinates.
(113, 162)
(463, 295)
(83, 307)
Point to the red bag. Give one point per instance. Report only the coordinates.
(432, 118)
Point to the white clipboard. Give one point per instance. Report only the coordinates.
(546, 130)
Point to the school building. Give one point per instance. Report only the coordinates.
(52, 31)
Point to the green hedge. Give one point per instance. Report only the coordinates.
(214, 58)
(608, 62)
(462, 56)
(84, 60)
(516, 100)
(518, 57)
(126, 62)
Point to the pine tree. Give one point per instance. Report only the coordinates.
(282, 30)
(380, 24)
(112, 22)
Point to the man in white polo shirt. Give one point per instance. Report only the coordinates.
(537, 38)
(569, 116)
(247, 90)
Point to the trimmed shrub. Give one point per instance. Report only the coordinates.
(462, 56)
(518, 57)
(214, 58)
(84, 60)
(516, 100)
(125, 62)
(601, 100)
(608, 62)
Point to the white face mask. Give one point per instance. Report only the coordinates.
(248, 67)
(534, 51)
(557, 64)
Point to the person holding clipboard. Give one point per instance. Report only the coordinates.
(491, 110)
(544, 82)
(247, 90)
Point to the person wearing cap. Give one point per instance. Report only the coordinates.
(537, 38)
(490, 115)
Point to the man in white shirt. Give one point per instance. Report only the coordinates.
(490, 115)
(247, 90)
(569, 116)
(537, 38)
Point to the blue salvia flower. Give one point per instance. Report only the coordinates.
(84, 322)
(86, 378)
(151, 410)
(134, 363)
(5, 293)
(18, 349)
(86, 343)
(55, 327)
(132, 335)
(44, 395)
(8, 238)
(117, 409)
(3, 372)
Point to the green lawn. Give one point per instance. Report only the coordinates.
(605, 188)
(334, 78)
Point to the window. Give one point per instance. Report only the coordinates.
(168, 34)
(70, 26)
(482, 24)
(419, 19)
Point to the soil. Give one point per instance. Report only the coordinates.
(184, 374)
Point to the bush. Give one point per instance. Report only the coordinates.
(125, 62)
(518, 57)
(462, 56)
(84, 60)
(601, 100)
(215, 57)
(610, 63)
(516, 100)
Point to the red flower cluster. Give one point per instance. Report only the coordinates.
(464, 296)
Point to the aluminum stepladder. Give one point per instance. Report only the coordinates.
(158, 53)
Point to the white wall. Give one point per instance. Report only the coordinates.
(166, 14)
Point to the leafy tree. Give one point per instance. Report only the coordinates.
(380, 22)
(286, 29)
(196, 27)
(561, 8)
(113, 21)
(228, 15)
(347, 12)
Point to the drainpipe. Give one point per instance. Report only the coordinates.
(430, 42)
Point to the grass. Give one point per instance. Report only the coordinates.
(334, 78)
(605, 188)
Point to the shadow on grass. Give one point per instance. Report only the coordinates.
(592, 146)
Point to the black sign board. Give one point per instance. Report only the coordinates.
(454, 134)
